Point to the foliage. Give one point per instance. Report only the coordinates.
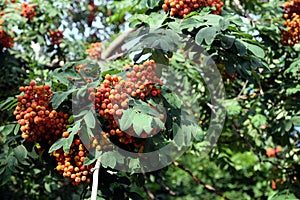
(120, 101)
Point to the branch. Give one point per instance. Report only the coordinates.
(95, 179)
(240, 95)
(171, 192)
(116, 44)
(149, 193)
(206, 186)
(238, 5)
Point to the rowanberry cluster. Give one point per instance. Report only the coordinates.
(36, 117)
(70, 164)
(95, 50)
(100, 142)
(28, 11)
(6, 40)
(56, 36)
(140, 81)
(181, 8)
(112, 97)
(108, 102)
(291, 13)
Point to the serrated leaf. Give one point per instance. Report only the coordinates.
(296, 120)
(208, 34)
(90, 120)
(213, 20)
(134, 163)
(232, 107)
(227, 41)
(47, 187)
(20, 153)
(241, 48)
(159, 123)
(108, 160)
(172, 99)
(126, 120)
(17, 128)
(198, 133)
(12, 162)
(152, 3)
(88, 161)
(57, 145)
(142, 122)
(179, 137)
(7, 129)
(9, 103)
(68, 142)
(146, 109)
(256, 50)
(59, 97)
(223, 24)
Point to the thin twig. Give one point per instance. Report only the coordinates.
(95, 179)
(244, 87)
(206, 186)
(149, 193)
(171, 192)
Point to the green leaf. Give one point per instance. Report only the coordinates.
(178, 135)
(88, 161)
(283, 195)
(57, 145)
(175, 27)
(258, 120)
(20, 153)
(17, 128)
(90, 120)
(126, 120)
(198, 133)
(232, 107)
(108, 159)
(241, 48)
(146, 109)
(227, 41)
(208, 34)
(47, 187)
(7, 129)
(12, 162)
(159, 123)
(296, 120)
(223, 24)
(68, 142)
(59, 97)
(142, 122)
(9, 103)
(152, 3)
(213, 20)
(134, 163)
(256, 50)
(172, 99)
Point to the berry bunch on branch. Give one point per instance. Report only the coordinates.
(112, 98)
(181, 8)
(291, 14)
(70, 164)
(56, 36)
(28, 11)
(39, 122)
(95, 51)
